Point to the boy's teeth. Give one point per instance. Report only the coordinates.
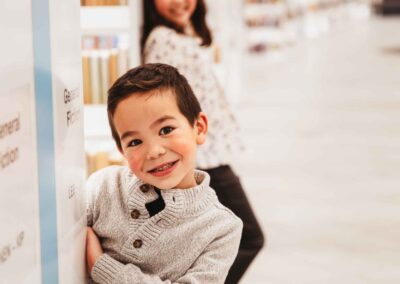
(166, 166)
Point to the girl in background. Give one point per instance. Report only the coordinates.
(175, 32)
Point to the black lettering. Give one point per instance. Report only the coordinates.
(72, 116)
(9, 127)
(9, 157)
(71, 191)
(70, 95)
(5, 253)
(66, 96)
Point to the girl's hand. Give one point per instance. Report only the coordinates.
(93, 249)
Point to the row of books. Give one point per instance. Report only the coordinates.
(261, 1)
(276, 25)
(274, 14)
(90, 42)
(104, 59)
(264, 21)
(100, 70)
(101, 159)
(103, 2)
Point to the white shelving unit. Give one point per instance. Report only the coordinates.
(124, 21)
(276, 24)
(225, 18)
(113, 20)
(104, 19)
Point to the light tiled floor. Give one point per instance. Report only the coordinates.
(322, 127)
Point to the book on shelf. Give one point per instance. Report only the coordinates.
(94, 76)
(101, 159)
(87, 90)
(104, 75)
(113, 65)
(103, 2)
(103, 61)
(122, 61)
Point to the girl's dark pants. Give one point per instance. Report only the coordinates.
(231, 194)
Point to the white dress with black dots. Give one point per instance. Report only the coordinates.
(165, 45)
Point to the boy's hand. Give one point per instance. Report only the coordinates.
(93, 249)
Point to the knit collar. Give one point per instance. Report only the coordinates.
(178, 202)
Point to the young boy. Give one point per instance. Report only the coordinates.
(157, 221)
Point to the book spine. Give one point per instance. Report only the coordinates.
(113, 66)
(87, 90)
(95, 76)
(122, 61)
(104, 75)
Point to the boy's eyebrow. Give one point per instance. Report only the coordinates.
(127, 134)
(161, 120)
(156, 122)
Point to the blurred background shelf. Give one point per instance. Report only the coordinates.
(110, 46)
(108, 20)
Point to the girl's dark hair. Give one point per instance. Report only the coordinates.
(152, 19)
(147, 78)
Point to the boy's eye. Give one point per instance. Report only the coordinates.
(166, 130)
(134, 142)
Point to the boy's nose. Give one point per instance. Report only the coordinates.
(155, 151)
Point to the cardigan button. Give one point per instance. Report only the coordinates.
(137, 244)
(145, 188)
(135, 214)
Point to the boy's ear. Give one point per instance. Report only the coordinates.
(201, 127)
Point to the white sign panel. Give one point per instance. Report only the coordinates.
(69, 141)
(19, 257)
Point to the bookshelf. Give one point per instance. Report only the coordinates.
(110, 46)
(104, 19)
(103, 2)
(274, 25)
(226, 21)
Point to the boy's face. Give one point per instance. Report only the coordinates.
(157, 140)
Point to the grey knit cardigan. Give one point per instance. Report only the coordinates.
(194, 239)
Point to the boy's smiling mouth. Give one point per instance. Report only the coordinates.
(163, 169)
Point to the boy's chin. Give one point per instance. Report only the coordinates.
(163, 185)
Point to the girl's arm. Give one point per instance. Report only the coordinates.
(210, 267)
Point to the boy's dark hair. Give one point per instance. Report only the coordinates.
(150, 77)
(152, 19)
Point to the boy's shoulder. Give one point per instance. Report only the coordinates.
(109, 172)
(226, 213)
(221, 221)
(222, 215)
(110, 177)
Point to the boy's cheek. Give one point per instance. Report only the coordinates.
(183, 147)
(134, 165)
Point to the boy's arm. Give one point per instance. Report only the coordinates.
(93, 248)
(211, 266)
(93, 187)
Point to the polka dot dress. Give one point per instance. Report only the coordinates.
(165, 45)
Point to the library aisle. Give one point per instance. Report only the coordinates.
(323, 158)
